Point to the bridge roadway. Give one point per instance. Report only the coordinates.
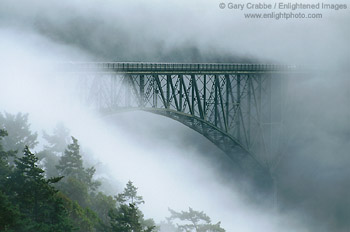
(177, 68)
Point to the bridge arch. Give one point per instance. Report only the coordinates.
(245, 166)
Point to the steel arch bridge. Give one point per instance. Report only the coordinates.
(238, 107)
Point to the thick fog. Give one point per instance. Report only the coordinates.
(172, 165)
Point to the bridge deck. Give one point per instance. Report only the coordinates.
(148, 68)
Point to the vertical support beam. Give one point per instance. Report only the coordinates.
(260, 79)
(260, 116)
(249, 110)
(142, 91)
(187, 97)
(155, 91)
(205, 96)
(192, 92)
(168, 79)
(227, 77)
(268, 120)
(159, 84)
(238, 113)
(180, 92)
(111, 91)
(198, 97)
(222, 105)
(216, 100)
(134, 94)
(127, 90)
(174, 94)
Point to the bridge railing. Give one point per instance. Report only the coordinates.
(144, 66)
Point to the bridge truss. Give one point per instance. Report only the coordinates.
(238, 107)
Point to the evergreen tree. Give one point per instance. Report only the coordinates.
(58, 141)
(36, 198)
(29, 201)
(9, 213)
(129, 195)
(127, 217)
(5, 168)
(194, 221)
(56, 145)
(48, 161)
(71, 163)
(78, 183)
(84, 219)
(102, 204)
(18, 128)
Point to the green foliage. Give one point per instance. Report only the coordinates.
(76, 190)
(36, 199)
(56, 144)
(3, 133)
(71, 163)
(49, 161)
(193, 220)
(9, 213)
(58, 141)
(127, 217)
(78, 182)
(18, 128)
(5, 168)
(129, 195)
(147, 224)
(102, 204)
(29, 200)
(84, 219)
(80, 188)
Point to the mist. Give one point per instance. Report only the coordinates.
(172, 165)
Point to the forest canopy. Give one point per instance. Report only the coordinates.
(53, 190)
